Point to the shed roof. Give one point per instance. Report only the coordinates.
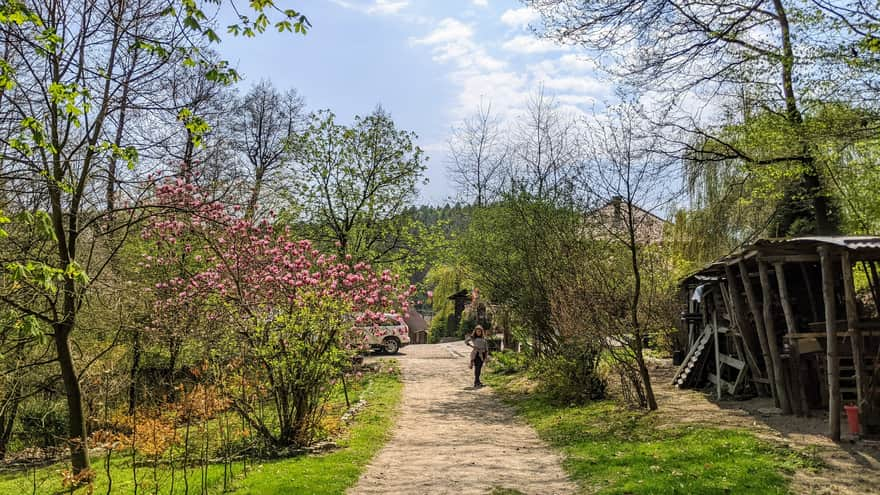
(866, 247)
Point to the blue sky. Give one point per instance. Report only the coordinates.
(427, 62)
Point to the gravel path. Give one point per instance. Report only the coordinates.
(452, 439)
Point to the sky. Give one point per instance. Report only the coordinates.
(429, 63)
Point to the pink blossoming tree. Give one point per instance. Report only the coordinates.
(287, 312)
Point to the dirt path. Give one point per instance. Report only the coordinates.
(451, 439)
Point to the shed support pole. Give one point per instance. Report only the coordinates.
(741, 323)
(772, 344)
(832, 359)
(759, 327)
(852, 319)
(717, 354)
(799, 398)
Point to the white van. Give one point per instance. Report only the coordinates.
(388, 336)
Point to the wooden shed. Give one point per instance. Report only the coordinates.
(796, 319)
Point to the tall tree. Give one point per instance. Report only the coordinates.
(545, 148)
(264, 124)
(783, 53)
(478, 152)
(358, 182)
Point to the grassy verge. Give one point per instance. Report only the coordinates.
(330, 473)
(612, 450)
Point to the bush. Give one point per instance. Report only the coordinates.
(438, 329)
(509, 362)
(42, 423)
(571, 375)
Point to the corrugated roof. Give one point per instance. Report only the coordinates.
(795, 245)
(850, 242)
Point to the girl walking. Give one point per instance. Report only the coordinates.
(479, 354)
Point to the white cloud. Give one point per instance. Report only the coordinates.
(577, 63)
(375, 7)
(452, 42)
(480, 3)
(527, 44)
(387, 6)
(519, 18)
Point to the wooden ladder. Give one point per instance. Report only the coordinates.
(692, 358)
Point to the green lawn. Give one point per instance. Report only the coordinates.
(612, 450)
(330, 473)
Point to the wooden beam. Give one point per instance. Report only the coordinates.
(839, 334)
(798, 399)
(759, 327)
(731, 361)
(741, 323)
(852, 320)
(791, 258)
(717, 350)
(772, 341)
(832, 365)
(814, 303)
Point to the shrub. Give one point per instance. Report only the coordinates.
(571, 375)
(42, 423)
(509, 362)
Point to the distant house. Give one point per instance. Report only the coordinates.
(418, 328)
(609, 219)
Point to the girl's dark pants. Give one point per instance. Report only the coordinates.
(478, 367)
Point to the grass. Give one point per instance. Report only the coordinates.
(330, 473)
(612, 450)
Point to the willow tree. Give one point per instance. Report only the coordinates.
(776, 57)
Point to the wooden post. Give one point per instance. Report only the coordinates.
(717, 354)
(759, 326)
(741, 322)
(832, 359)
(772, 344)
(852, 319)
(799, 397)
(814, 303)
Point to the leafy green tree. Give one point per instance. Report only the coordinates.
(358, 182)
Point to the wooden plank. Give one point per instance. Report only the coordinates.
(748, 339)
(791, 258)
(831, 358)
(739, 321)
(759, 327)
(839, 334)
(772, 343)
(852, 319)
(740, 377)
(798, 399)
(731, 361)
(814, 303)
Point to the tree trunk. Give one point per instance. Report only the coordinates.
(135, 367)
(254, 200)
(78, 439)
(813, 188)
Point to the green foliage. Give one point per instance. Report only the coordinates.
(571, 375)
(356, 184)
(613, 450)
(325, 474)
(508, 362)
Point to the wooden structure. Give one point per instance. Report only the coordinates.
(793, 319)
(460, 299)
(418, 328)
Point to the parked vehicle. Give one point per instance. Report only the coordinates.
(388, 336)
